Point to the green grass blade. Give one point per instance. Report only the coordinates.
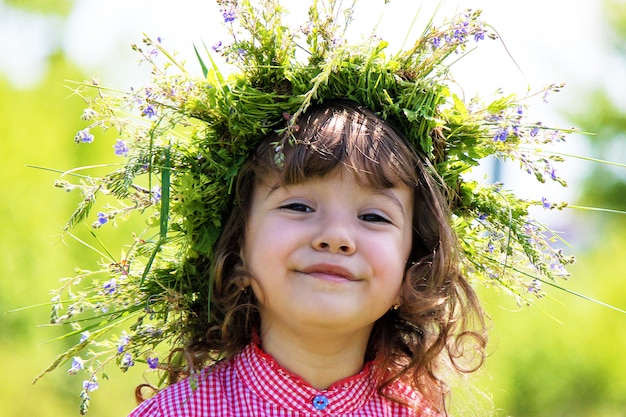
(205, 70)
(165, 194)
(584, 297)
(604, 210)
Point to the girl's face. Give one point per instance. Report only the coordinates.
(327, 253)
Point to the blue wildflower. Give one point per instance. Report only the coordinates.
(124, 340)
(88, 114)
(83, 136)
(553, 174)
(90, 385)
(479, 36)
(127, 360)
(110, 286)
(490, 247)
(483, 216)
(149, 111)
(156, 194)
(84, 336)
(535, 287)
(534, 131)
(546, 204)
(229, 15)
(501, 134)
(153, 363)
(77, 365)
(460, 32)
(437, 42)
(217, 46)
(558, 267)
(102, 218)
(120, 148)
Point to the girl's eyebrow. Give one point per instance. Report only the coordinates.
(391, 197)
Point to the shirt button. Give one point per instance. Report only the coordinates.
(320, 402)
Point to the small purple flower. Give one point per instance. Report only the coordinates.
(84, 336)
(552, 172)
(156, 194)
(437, 42)
(102, 218)
(534, 131)
(149, 111)
(530, 229)
(77, 365)
(127, 360)
(153, 363)
(501, 134)
(217, 46)
(535, 287)
(124, 339)
(229, 15)
(90, 385)
(83, 136)
(88, 114)
(479, 36)
(546, 204)
(120, 148)
(483, 216)
(558, 267)
(490, 247)
(110, 286)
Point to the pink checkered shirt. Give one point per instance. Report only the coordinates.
(253, 384)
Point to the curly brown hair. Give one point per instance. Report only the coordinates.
(439, 313)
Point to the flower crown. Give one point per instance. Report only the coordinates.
(184, 137)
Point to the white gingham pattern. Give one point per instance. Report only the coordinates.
(253, 384)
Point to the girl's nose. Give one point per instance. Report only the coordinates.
(334, 237)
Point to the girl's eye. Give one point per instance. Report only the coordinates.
(299, 207)
(374, 218)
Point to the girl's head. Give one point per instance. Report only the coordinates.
(330, 141)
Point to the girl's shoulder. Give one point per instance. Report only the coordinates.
(412, 399)
(203, 393)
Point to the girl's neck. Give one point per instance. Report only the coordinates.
(319, 360)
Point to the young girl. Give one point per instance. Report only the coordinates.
(337, 288)
(335, 261)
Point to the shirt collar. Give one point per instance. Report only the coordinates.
(267, 379)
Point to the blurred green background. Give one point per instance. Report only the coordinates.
(563, 357)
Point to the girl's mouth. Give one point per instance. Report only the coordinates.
(329, 272)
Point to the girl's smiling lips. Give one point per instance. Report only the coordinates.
(329, 272)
